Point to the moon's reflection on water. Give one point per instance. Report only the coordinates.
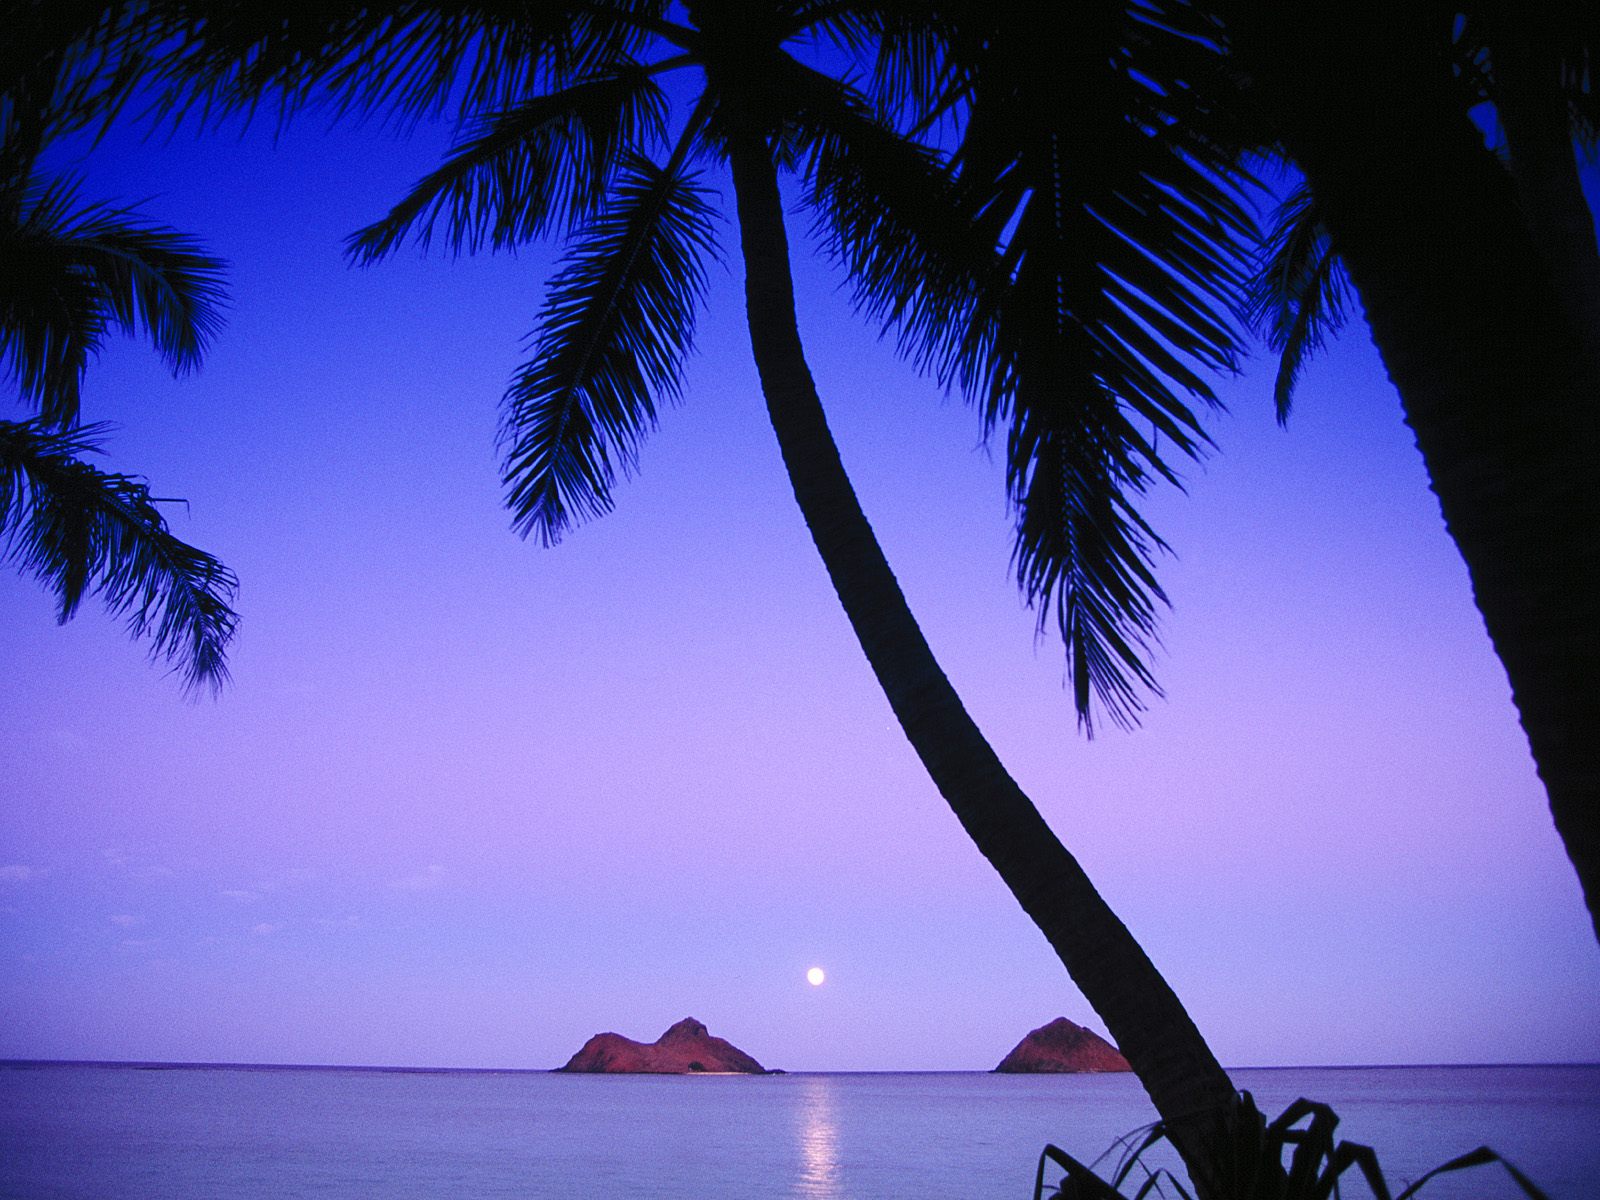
(818, 1133)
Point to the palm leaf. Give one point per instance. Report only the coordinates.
(68, 273)
(612, 333)
(404, 59)
(1297, 298)
(1081, 295)
(888, 210)
(80, 530)
(542, 165)
(1481, 1157)
(1082, 557)
(69, 64)
(1247, 1161)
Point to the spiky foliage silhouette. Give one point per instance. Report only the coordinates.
(1251, 1162)
(71, 273)
(1084, 301)
(80, 530)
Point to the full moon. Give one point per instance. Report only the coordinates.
(815, 976)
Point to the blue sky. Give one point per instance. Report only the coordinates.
(469, 801)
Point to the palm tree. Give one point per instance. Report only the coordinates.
(70, 272)
(570, 133)
(1480, 288)
(1480, 281)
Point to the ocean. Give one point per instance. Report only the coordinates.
(104, 1132)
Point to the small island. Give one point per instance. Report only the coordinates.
(685, 1049)
(1062, 1047)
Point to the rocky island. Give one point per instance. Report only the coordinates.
(1062, 1046)
(686, 1048)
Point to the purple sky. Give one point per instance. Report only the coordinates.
(469, 801)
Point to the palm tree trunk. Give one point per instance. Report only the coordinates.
(1491, 370)
(1141, 1011)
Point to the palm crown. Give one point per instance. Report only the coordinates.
(596, 155)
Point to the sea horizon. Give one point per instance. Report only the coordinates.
(184, 1064)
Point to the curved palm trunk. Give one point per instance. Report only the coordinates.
(1140, 1010)
(1493, 375)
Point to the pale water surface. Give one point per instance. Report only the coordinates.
(83, 1132)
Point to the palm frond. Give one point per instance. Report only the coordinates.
(81, 531)
(889, 211)
(542, 165)
(1247, 1160)
(1082, 556)
(1081, 293)
(69, 64)
(1297, 298)
(70, 272)
(404, 59)
(892, 48)
(612, 333)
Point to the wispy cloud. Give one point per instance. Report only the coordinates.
(18, 873)
(240, 895)
(128, 920)
(266, 928)
(350, 921)
(422, 881)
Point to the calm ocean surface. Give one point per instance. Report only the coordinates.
(76, 1132)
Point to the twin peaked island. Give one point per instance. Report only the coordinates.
(684, 1049)
(688, 1048)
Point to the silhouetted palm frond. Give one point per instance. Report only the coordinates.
(612, 333)
(889, 211)
(1247, 1162)
(404, 59)
(70, 272)
(68, 65)
(1298, 294)
(535, 169)
(79, 530)
(1083, 298)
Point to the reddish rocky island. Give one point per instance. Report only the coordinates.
(687, 1048)
(1062, 1046)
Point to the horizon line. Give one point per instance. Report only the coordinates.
(180, 1065)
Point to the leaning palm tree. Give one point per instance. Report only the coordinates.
(1481, 287)
(570, 134)
(70, 273)
(1478, 275)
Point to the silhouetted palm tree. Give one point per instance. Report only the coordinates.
(1481, 286)
(571, 133)
(70, 272)
(1480, 279)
